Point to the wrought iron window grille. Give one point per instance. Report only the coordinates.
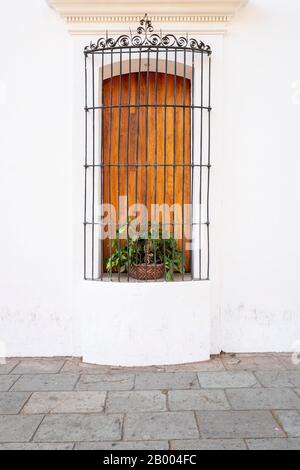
(147, 157)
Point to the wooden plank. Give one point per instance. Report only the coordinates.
(159, 149)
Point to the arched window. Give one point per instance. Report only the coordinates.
(147, 158)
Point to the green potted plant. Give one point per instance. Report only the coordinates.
(146, 255)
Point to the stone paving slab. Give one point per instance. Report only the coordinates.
(65, 402)
(274, 444)
(232, 402)
(263, 399)
(166, 381)
(136, 401)
(137, 369)
(227, 379)
(106, 382)
(209, 444)
(134, 445)
(36, 446)
(290, 421)
(45, 382)
(9, 366)
(237, 424)
(7, 381)
(39, 366)
(252, 362)
(160, 426)
(18, 428)
(75, 428)
(279, 378)
(214, 365)
(182, 400)
(12, 402)
(289, 363)
(76, 366)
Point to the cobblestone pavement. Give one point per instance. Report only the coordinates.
(231, 402)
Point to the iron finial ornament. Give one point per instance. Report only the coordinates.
(145, 26)
(146, 37)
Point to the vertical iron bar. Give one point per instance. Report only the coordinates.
(101, 166)
(86, 161)
(174, 159)
(119, 149)
(93, 197)
(183, 162)
(127, 160)
(138, 128)
(156, 151)
(201, 174)
(165, 158)
(147, 131)
(193, 166)
(147, 122)
(208, 168)
(109, 159)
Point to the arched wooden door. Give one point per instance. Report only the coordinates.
(147, 145)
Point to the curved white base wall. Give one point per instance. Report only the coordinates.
(140, 324)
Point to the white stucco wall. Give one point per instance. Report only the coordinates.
(254, 291)
(261, 267)
(35, 180)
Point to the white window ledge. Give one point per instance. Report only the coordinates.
(119, 11)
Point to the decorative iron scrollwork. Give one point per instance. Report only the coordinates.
(145, 36)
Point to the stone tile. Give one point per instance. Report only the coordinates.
(209, 444)
(18, 428)
(106, 382)
(214, 365)
(281, 354)
(74, 428)
(129, 445)
(136, 401)
(36, 446)
(76, 366)
(274, 444)
(136, 369)
(227, 379)
(39, 366)
(180, 400)
(12, 402)
(166, 381)
(157, 426)
(252, 363)
(290, 421)
(279, 378)
(7, 381)
(46, 382)
(263, 399)
(8, 367)
(237, 424)
(289, 363)
(65, 402)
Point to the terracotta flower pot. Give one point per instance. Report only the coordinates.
(147, 272)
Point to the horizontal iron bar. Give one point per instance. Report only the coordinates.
(188, 224)
(127, 106)
(107, 278)
(143, 48)
(190, 165)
